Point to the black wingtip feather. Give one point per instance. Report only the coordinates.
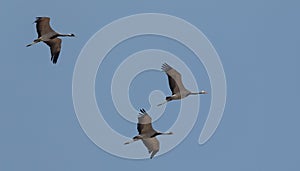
(142, 110)
(54, 60)
(37, 19)
(165, 67)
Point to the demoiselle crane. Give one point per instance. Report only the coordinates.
(176, 85)
(47, 35)
(147, 134)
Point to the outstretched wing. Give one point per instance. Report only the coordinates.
(43, 26)
(55, 46)
(174, 77)
(144, 122)
(144, 118)
(152, 145)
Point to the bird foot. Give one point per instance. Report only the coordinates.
(162, 103)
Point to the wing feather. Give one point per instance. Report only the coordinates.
(55, 47)
(145, 128)
(43, 26)
(152, 145)
(144, 118)
(174, 77)
(144, 125)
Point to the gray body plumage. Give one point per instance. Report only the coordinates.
(176, 85)
(47, 35)
(147, 134)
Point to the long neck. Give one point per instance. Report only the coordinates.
(164, 133)
(196, 93)
(66, 35)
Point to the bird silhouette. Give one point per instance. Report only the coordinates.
(176, 85)
(147, 134)
(47, 35)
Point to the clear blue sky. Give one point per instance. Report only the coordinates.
(258, 43)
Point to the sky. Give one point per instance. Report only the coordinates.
(257, 42)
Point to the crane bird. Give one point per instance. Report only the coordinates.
(176, 85)
(47, 35)
(147, 134)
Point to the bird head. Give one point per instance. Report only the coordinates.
(203, 92)
(72, 35)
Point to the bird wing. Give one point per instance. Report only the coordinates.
(55, 46)
(144, 118)
(43, 26)
(144, 125)
(174, 77)
(145, 128)
(152, 145)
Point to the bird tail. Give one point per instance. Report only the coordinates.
(128, 142)
(136, 138)
(34, 42)
(164, 102)
(169, 98)
(131, 141)
(30, 44)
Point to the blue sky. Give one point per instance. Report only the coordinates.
(257, 42)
